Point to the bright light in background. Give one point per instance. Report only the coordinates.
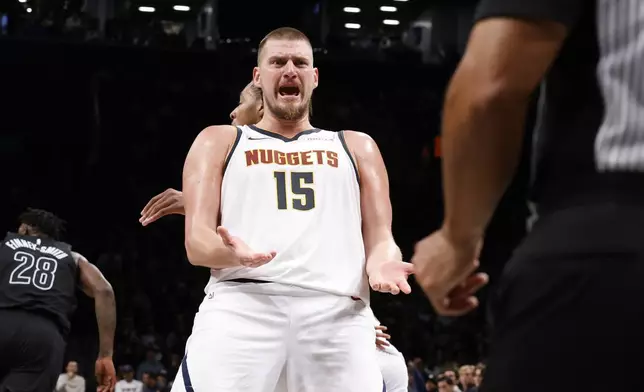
(22, 1)
(29, 10)
(391, 22)
(352, 10)
(402, 1)
(181, 8)
(387, 8)
(146, 9)
(354, 26)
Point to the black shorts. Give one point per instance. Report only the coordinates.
(568, 314)
(31, 352)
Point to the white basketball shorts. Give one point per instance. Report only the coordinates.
(393, 368)
(246, 335)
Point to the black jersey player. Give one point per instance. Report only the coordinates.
(39, 277)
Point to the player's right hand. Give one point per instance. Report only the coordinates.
(168, 202)
(105, 375)
(382, 338)
(247, 257)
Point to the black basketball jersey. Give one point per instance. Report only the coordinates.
(38, 275)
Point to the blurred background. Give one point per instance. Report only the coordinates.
(100, 101)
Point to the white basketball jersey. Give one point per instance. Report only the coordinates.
(299, 197)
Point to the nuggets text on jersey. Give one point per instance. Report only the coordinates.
(312, 157)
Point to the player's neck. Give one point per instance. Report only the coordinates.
(284, 127)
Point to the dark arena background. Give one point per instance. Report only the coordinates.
(100, 101)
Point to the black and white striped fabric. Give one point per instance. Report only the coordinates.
(588, 143)
(619, 144)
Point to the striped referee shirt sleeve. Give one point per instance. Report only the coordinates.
(566, 12)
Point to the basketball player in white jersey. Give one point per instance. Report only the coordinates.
(249, 111)
(295, 223)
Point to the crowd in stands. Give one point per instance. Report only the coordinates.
(151, 376)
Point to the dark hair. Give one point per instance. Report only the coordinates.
(445, 379)
(255, 91)
(43, 222)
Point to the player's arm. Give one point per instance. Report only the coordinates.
(168, 202)
(202, 177)
(94, 284)
(374, 200)
(510, 50)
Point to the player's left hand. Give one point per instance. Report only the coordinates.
(168, 202)
(446, 272)
(391, 277)
(105, 375)
(382, 338)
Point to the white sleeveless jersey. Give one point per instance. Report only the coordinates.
(301, 198)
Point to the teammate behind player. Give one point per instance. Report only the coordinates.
(170, 202)
(39, 276)
(391, 362)
(313, 202)
(249, 111)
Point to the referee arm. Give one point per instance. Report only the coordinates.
(510, 49)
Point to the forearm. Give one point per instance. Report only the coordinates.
(205, 248)
(105, 307)
(380, 252)
(481, 145)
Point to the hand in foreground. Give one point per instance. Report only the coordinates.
(168, 202)
(446, 272)
(382, 338)
(391, 277)
(247, 257)
(105, 375)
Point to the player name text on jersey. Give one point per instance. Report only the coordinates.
(17, 243)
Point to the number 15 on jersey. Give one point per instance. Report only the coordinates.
(295, 190)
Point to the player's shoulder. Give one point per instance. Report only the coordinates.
(359, 142)
(356, 135)
(214, 142)
(9, 235)
(217, 133)
(78, 258)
